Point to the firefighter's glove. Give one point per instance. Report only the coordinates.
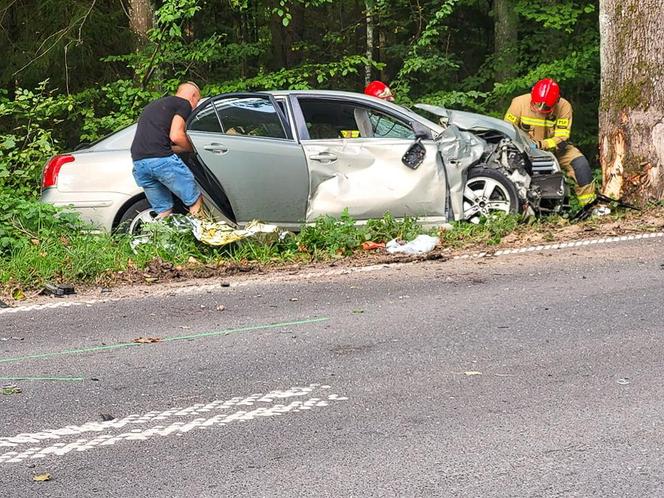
(540, 145)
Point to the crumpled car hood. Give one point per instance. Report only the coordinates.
(471, 121)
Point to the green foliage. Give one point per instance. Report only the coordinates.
(388, 228)
(562, 15)
(331, 235)
(489, 231)
(28, 140)
(26, 222)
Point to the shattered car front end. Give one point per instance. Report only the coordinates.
(501, 146)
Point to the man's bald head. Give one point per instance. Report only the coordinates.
(189, 91)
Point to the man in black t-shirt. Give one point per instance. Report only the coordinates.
(160, 136)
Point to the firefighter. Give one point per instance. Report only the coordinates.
(547, 118)
(379, 89)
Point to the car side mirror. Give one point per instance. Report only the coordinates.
(421, 131)
(415, 154)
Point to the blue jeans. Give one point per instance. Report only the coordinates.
(161, 177)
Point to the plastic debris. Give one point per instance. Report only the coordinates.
(422, 244)
(59, 290)
(4, 304)
(42, 477)
(371, 246)
(163, 232)
(10, 389)
(219, 233)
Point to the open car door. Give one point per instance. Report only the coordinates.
(354, 155)
(245, 142)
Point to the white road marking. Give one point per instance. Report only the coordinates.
(561, 245)
(199, 289)
(273, 405)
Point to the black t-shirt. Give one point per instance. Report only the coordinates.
(152, 137)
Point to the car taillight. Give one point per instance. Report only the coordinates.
(52, 169)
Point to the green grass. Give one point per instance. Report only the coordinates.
(66, 252)
(61, 251)
(489, 231)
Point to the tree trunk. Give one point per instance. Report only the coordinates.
(506, 23)
(631, 117)
(370, 41)
(140, 19)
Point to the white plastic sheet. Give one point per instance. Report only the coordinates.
(422, 244)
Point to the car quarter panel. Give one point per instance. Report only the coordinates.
(102, 171)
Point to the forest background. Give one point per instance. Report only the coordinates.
(72, 71)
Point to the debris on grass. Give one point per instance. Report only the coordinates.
(372, 246)
(59, 290)
(422, 244)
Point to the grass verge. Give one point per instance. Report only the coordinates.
(59, 250)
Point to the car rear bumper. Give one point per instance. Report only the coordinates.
(98, 208)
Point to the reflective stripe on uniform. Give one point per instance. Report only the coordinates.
(562, 133)
(586, 199)
(511, 118)
(537, 122)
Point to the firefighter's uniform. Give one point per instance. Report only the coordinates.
(552, 132)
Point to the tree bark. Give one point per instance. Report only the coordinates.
(140, 19)
(370, 41)
(631, 117)
(506, 23)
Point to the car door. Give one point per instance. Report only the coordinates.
(245, 141)
(354, 153)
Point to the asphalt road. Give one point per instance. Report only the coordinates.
(536, 375)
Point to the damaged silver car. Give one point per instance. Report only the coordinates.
(288, 157)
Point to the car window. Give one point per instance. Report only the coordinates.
(331, 119)
(384, 126)
(206, 120)
(250, 116)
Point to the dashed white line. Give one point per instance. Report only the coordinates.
(272, 405)
(561, 245)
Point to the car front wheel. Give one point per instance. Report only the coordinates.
(488, 192)
(135, 217)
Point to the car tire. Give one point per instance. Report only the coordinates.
(134, 216)
(488, 191)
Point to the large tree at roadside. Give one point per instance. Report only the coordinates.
(632, 99)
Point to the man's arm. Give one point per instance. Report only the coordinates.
(178, 135)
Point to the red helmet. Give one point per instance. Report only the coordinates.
(380, 90)
(545, 95)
